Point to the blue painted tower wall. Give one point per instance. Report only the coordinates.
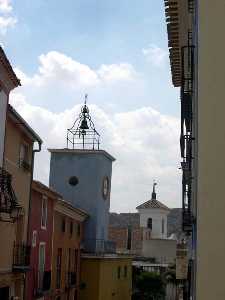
(90, 169)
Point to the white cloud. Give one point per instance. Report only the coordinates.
(5, 6)
(155, 55)
(144, 142)
(117, 72)
(56, 67)
(6, 23)
(7, 20)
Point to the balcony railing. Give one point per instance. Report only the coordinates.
(71, 279)
(8, 199)
(44, 283)
(99, 246)
(21, 257)
(186, 139)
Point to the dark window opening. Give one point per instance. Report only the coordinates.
(63, 225)
(71, 228)
(163, 226)
(78, 229)
(125, 271)
(149, 224)
(73, 180)
(129, 237)
(58, 268)
(118, 272)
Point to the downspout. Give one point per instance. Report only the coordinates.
(30, 199)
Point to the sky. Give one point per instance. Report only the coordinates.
(116, 52)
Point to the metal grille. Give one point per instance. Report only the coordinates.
(8, 199)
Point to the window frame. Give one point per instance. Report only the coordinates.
(44, 216)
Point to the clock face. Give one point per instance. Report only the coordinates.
(105, 187)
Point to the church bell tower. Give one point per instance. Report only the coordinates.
(82, 173)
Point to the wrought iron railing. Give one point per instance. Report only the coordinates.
(191, 6)
(71, 279)
(99, 246)
(43, 282)
(8, 199)
(186, 138)
(21, 257)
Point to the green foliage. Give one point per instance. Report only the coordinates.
(149, 286)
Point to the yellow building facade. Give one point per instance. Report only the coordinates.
(16, 161)
(107, 277)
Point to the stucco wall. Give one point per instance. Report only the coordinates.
(3, 108)
(100, 276)
(211, 149)
(163, 250)
(157, 216)
(90, 169)
(65, 241)
(43, 235)
(21, 179)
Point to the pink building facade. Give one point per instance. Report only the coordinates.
(40, 231)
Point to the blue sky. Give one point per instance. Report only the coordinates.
(94, 33)
(114, 50)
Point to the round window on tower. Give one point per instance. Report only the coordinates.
(73, 180)
(105, 187)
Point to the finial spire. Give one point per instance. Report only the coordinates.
(153, 191)
(85, 100)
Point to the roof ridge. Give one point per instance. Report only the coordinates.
(153, 203)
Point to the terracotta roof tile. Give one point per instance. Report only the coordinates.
(153, 204)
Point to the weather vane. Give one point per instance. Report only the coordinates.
(83, 133)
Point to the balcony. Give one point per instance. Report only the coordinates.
(8, 201)
(44, 283)
(71, 279)
(21, 257)
(99, 247)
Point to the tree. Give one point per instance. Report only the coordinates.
(149, 286)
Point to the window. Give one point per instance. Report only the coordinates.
(24, 156)
(58, 268)
(118, 272)
(34, 238)
(149, 223)
(73, 181)
(63, 225)
(129, 237)
(71, 228)
(41, 265)
(44, 212)
(78, 229)
(163, 226)
(125, 271)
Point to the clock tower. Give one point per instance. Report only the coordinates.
(82, 173)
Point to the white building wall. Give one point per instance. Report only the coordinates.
(157, 215)
(3, 109)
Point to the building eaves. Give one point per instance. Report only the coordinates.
(63, 203)
(16, 117)
(6, 64)
(172, 19)
(83, 152)
(42, 188)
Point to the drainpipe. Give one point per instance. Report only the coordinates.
(29, 208)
